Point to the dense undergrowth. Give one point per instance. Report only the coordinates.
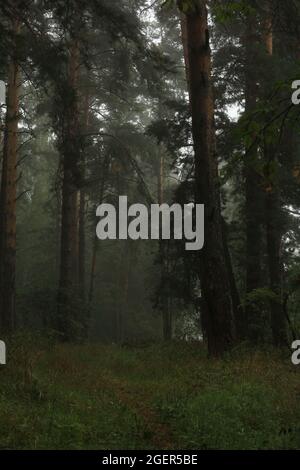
(159, 396)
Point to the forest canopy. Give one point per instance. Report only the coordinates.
(164, 102)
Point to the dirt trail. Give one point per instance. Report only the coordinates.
(158, 433)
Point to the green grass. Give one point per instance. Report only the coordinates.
(162, 396)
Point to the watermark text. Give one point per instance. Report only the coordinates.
(164, 222)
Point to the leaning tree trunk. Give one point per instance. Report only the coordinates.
(213, 272)
(274, 230)
(70, 150)
(9, 197)
(254, 193)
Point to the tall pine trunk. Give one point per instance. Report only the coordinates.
(163, 254)
(9, 197)
(82, 207)
(95, 250)
(70, 150)
(254, 194)
(215, 283)
(274, 230)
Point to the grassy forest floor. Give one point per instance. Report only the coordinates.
(156, 397)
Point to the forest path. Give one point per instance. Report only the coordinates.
(138, 400)
(160, 397)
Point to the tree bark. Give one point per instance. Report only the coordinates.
(9, 197)
(82, 207)
(254, 194)
(184, 38)
(274, 231)
(95, 251)
(213, 272)
(167, 299)
(163, 254)
(238, 310)
(70, 149)
(123, 288)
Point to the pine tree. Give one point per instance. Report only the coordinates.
(9, 190)
(214, 277)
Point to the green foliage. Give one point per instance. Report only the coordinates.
(259, 301)
(231, 9)
(237, 417)
(163, 396)
(294, 277)
(261, 297)
(187, 6)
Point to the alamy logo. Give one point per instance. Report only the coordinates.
(296, 353)
(162, 222)
(2, 92)
(2, 353)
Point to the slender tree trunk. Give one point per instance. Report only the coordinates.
(184, 38)
(160, 178)
(81, 250)
(9, 197)
(95, 251)
(274, 241)
(274, 231)
(123, 287)
(254, 194)
(70, 148)
(58, 232)
(82, 207)
(167, 301)
(213, 271)
(163, 254)
(238, 310)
